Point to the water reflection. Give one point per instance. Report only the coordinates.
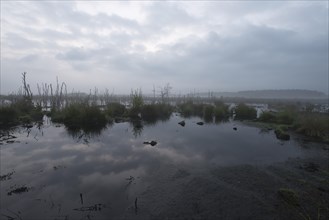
(137, 127)
(115, 167)
(85, 136)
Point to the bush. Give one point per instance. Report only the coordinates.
(137, 103)
(154, 112)
(208, 112)
(115, 109)
(281, 134)
(189, 109)
(21, 111)
(221, 112)
(286, 117)
(80, 116)
(243, 112)
(23, 106)
(268, 117)
(8, 116)
(313, 125)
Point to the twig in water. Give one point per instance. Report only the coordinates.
(136, 208)
(81, 199)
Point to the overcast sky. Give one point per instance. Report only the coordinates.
(201, 46)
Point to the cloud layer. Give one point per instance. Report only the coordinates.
(202, 46)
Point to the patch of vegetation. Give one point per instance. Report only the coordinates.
(268, 117)
(153, 112)
(80, 116)
(137, 103)
(21, 112)
(289, 196)
(115, 109)
(8, 116)
(221, 111)
(313, 125)
(205, 111)
(208, 112)
(286, 117)
(244, 112)
(189, 109)
(282, 135)
(310, 124)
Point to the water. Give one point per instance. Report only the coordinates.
(113, 168)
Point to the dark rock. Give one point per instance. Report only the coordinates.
(281, 135)
(152, 143)
(182, 123)
(200, 123)
(235, 128)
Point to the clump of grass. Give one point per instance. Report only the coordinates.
(313, 125)
(153, 112)
(286, 117)
(8, 116)
(289, 196)
(268, 117)
(115, 109)
(189, 109)
(21, 111)
(221, 111)
(281, 134)
(208, 112)
(80, 116)
(137, 103)
(244, 112)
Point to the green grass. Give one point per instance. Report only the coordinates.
(115, 109)
(152, 112)
(80, 116)
(281, 134)
(205, 111)
(244, 112)
(20, 112)
(315, 125)
(8, 116)
(289, 196)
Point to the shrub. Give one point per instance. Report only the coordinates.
(8, 116)
(281, 134)
(137, 103)
(208, 111)
(268, 117)
(80, 116)
(286, 117)
(221, 112)
(313, 125)
(243, 111)
(154, 112)
(115, 109)
(23, 106)
(22, 111)
(189, 109)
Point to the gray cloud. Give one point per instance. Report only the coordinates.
(204, 46)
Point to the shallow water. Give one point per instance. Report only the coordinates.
(97, 176)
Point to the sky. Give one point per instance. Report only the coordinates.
(192, 45)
